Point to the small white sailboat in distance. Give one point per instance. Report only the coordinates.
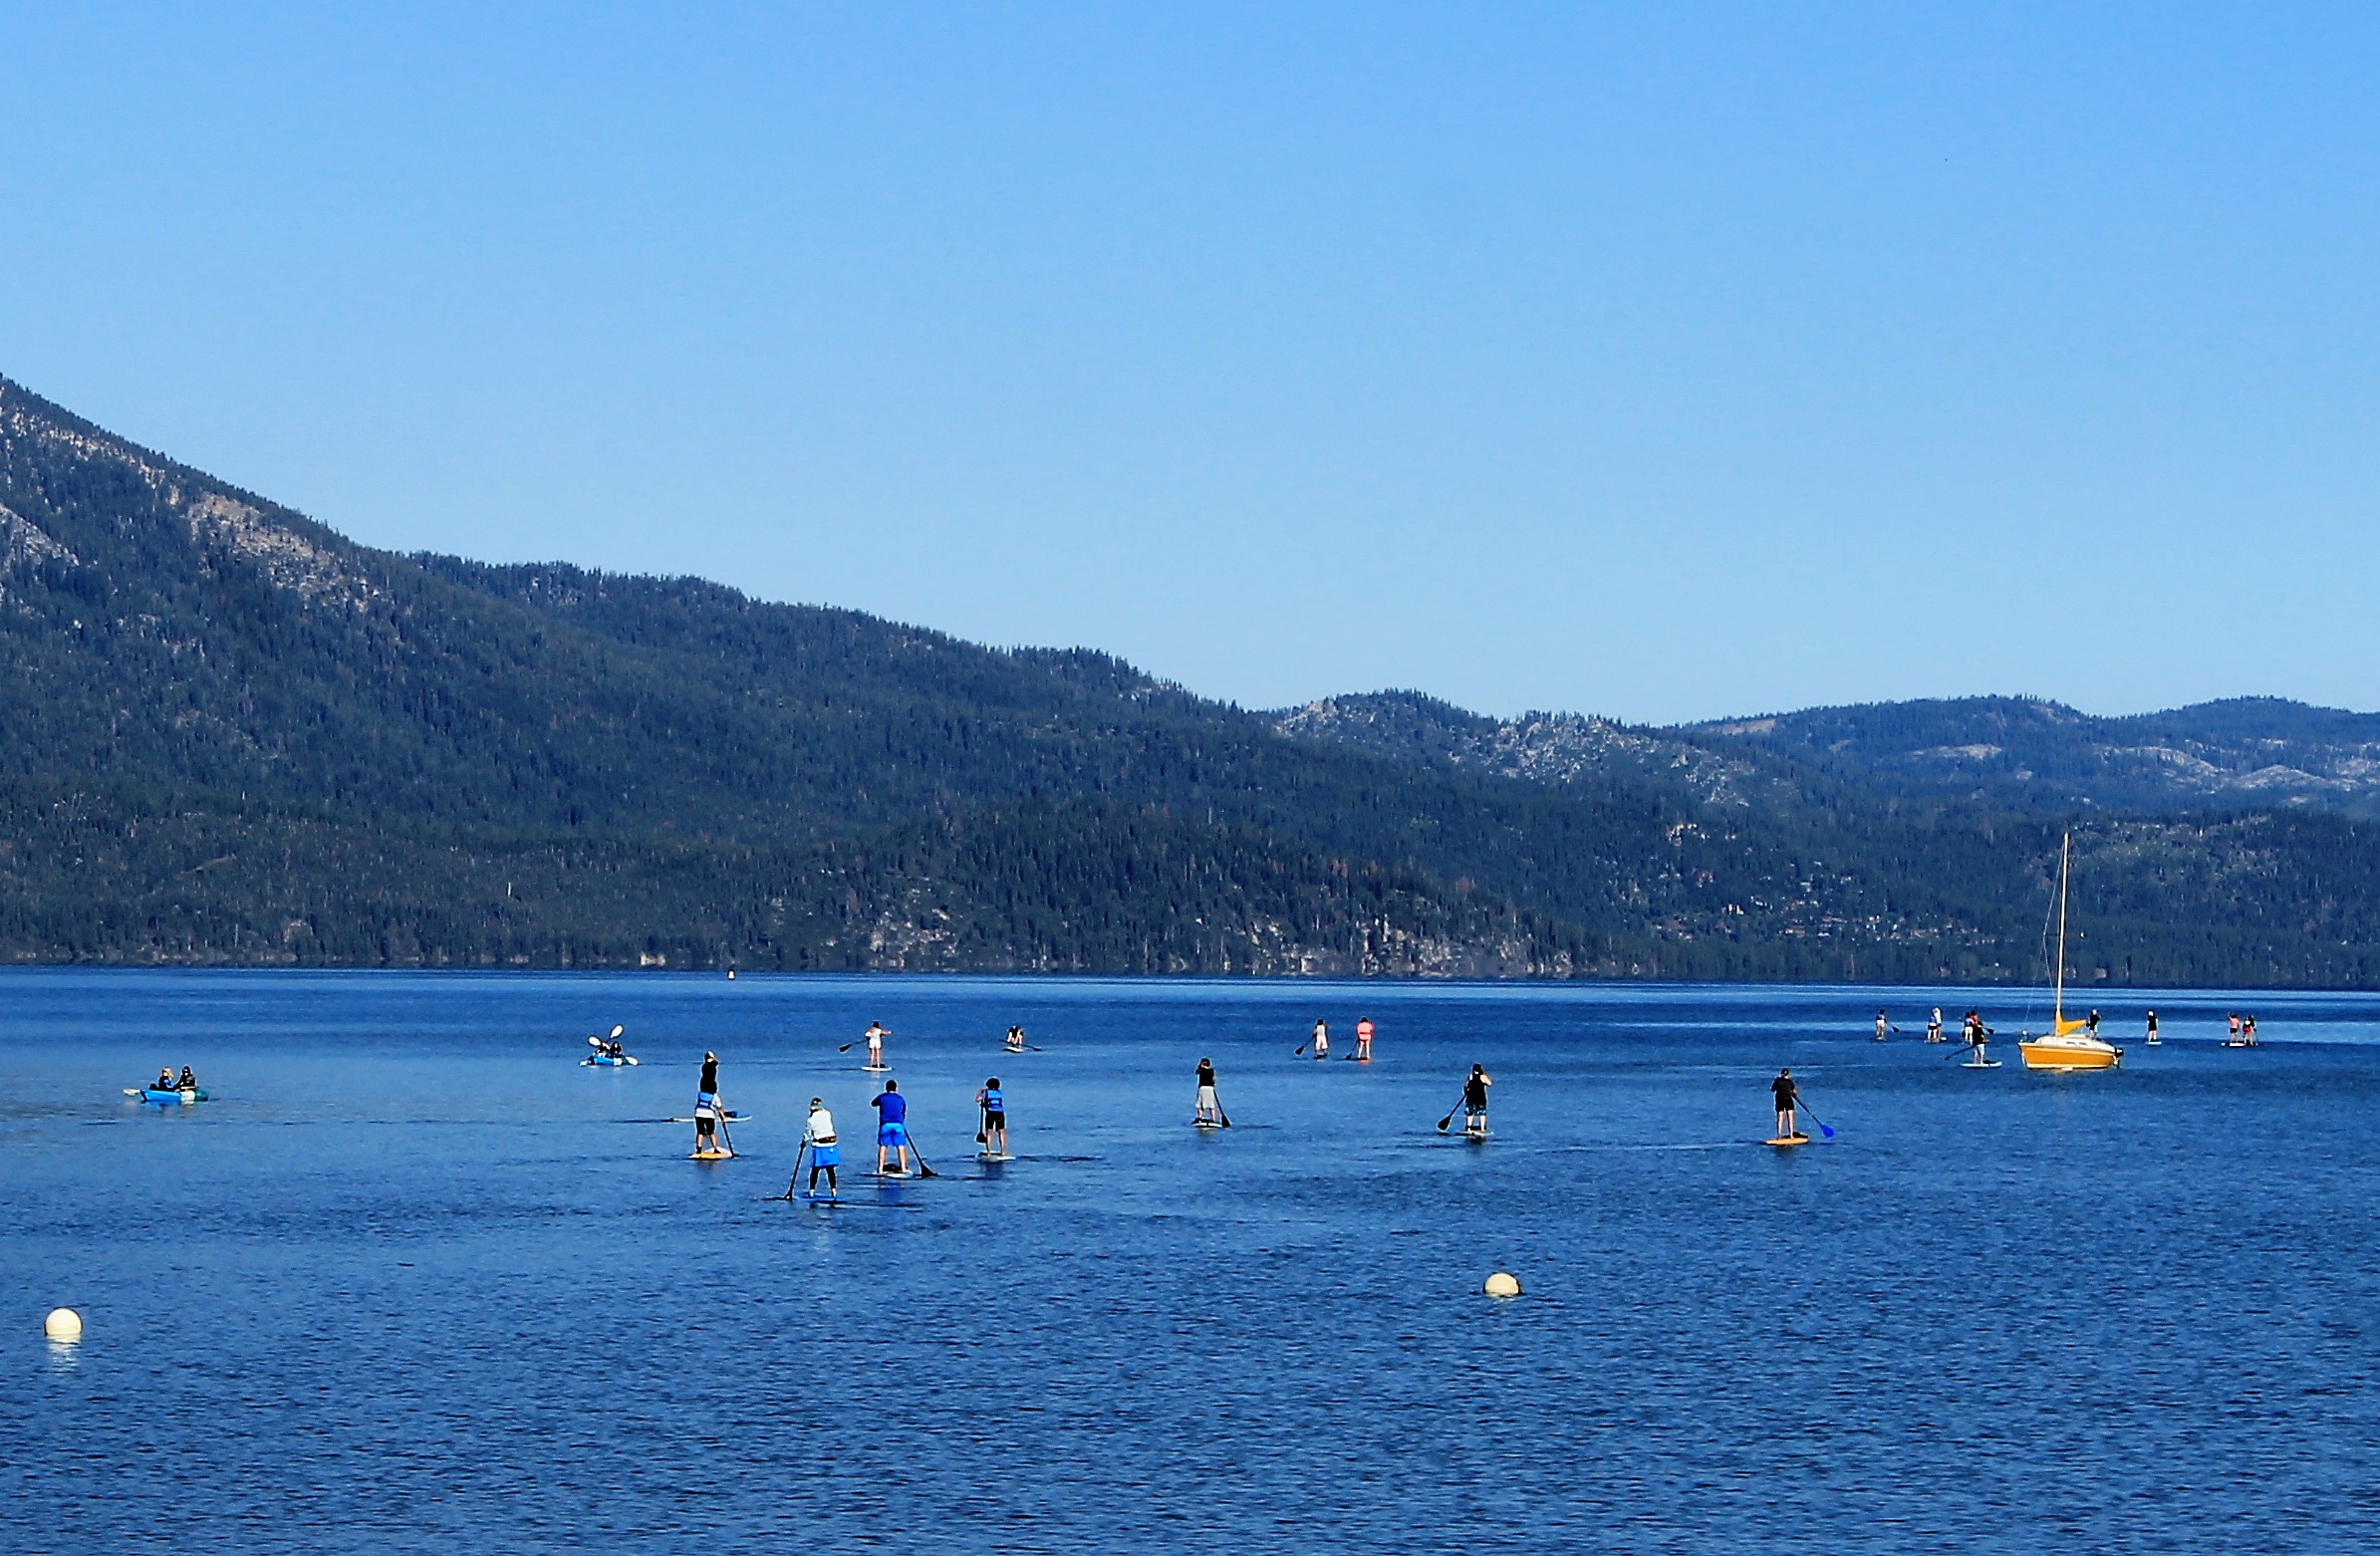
(2069, 1045)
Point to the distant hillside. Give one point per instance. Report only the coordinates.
(228, 734)
(2246, 752)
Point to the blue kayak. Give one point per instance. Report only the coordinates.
(151, 1094)
(607, 1059)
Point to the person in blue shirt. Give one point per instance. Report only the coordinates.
(892, 1129)
(994, 1135)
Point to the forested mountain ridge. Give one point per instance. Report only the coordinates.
(2242, 752)
(229, 734)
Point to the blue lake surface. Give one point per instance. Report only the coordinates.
(416, 1280)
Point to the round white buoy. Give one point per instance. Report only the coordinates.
(1501, 1284)
(63, 1323)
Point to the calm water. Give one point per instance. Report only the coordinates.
(418, 1281)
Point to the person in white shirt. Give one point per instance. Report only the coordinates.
(819, 1135)
(1322, 1041)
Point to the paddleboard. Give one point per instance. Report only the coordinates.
(1208, 1124)
(709, 1156)
(1980, 1064)
(990, 1156)
(875, 1069)
(1787, 1140)
(732, 1118)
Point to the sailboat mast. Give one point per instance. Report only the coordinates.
(2058, 1000)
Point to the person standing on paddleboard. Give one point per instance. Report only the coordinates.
(1322, 1041)
(875, 1045)
(706, 1106)
(825, 1154)
(892, 1128)
(1787, 1096)
(1475, 1102)
(1363, 1041)
(994, 1136)
(1209, 1111)
(1883, 1025)
(1934, 1026)
(2152, 1029)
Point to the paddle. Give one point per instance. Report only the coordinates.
(1449, 1118)
(922, 1169)
(857, 1041)
(727, 1139)
(794, 1182)
(1825, 1129)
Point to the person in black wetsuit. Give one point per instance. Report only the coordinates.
(189, 1081)
(164, 1080)
(1787, 1095)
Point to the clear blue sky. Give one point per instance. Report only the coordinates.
(1666, 362)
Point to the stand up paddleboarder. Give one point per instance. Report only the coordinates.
(1363, 1041)
(892, 1129)
(1475, 1102)
(824, 1154)
(707, 1107)
(1787, 1096)
(876, 1044)
(1322, 1041)
(994, 1133)
(1210, 1110)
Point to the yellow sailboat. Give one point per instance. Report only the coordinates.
(2069, 1045)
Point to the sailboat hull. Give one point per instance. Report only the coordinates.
(2071, 1053)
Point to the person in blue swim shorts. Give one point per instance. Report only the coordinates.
(892, 1131)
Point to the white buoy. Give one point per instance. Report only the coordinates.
(63, 1323)
(1501, 1284)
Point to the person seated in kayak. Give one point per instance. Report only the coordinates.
(165, 1081)
(189, 1082)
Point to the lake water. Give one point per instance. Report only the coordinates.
(416, 1280)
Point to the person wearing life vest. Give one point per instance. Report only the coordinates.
(994, 1108)
(706, 1106)
(1363, 1041)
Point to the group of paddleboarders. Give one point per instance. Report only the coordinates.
(166, 1083)
(1974, 1034)
(1322, 1040)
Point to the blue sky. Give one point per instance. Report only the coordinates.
(1666, 362)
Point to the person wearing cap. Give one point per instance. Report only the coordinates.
(819, 1135)
(706, 1106)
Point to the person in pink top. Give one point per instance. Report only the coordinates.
(1363, 1041)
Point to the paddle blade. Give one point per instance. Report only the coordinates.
(615, 1031)
(1826, 1132)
